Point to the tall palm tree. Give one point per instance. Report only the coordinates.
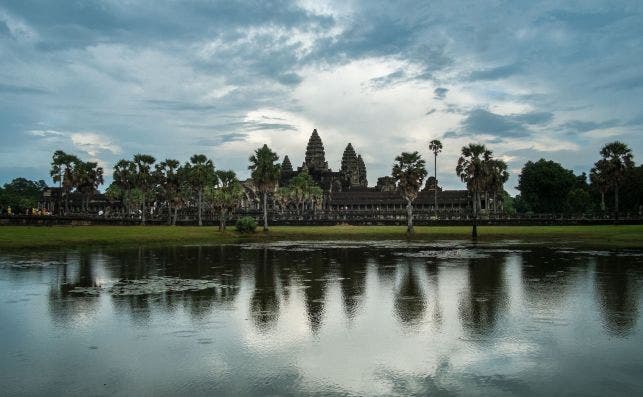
(123, 174)
(265, 175)
(598, 176)
(201, 174)
(473, 170)
(436, 147)
(409, 171)
(619, 160)
(144, 180)
(498, 176)
(62, 172)
(88, 177)
(168, 180)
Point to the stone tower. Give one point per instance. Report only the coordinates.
(286, 166)
(315, 157)
(350, 167)
(361, 168)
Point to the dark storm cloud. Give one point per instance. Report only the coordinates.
(500, 72)
(19, 89)
(440, 92)
(138, 69)
(580, 126)
(482, 121)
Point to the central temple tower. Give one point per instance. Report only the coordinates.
(315, 159)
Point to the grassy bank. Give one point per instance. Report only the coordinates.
(58, 236)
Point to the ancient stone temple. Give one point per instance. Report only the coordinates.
(347, 189)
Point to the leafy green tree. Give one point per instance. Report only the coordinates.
(225, 195)
(144, 181)
(436, 147)
(200, 174)
(265, 173)
(409, 171)
(578, 200)
(283, 197)
(62, 172)
(166, 174)
(618, 160)
(301, 189)
(21, 194)
(473, 170)
(544, 186)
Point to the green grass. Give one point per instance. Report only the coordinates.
(58, 236)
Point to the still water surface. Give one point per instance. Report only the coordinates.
(332, 318)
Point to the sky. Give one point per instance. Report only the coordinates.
(108, 79)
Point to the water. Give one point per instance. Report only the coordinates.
(332, 318)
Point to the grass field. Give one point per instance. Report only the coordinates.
(58, 236)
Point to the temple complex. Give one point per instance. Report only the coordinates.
(348, 190)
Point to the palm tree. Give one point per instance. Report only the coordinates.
(619, 159)
(62, 172)
(436, 147)
(472, 169)
(201, 174)
(265, 175)
(283, 197)
(225, 196)
(598, 177)
(168, 180)
(124, 173)
(497, 178)
(409, 172)
(144, 179)
(88, 176)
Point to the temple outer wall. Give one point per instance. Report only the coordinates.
(20, 220)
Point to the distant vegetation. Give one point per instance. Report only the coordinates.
(615, 184)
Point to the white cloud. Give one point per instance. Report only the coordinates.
(93, 143)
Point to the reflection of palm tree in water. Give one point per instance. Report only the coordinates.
(352, 270)
(64, 306)
(485, 297)
(410, 302)
(264, 304)
(617, 292)
(316, 292)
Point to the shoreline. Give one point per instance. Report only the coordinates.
(30, 237)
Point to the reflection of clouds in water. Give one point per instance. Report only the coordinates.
(351, 318)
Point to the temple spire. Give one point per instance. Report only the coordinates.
(286, 165)
(315, 156)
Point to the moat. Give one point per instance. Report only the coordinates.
(332, 318)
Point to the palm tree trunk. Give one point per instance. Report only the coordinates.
(176, 215)
(222, 220)
(265, 211)
(66, 203)
(616, 201)
(435, 192)
(143, 212)
(409, 217)
(476, 203)
(495, 207)
(602, 201)
(486, 202)
(200, 198)
(169, 212)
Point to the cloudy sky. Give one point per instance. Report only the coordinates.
(112, 78)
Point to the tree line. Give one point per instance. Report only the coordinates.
(545, 186)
